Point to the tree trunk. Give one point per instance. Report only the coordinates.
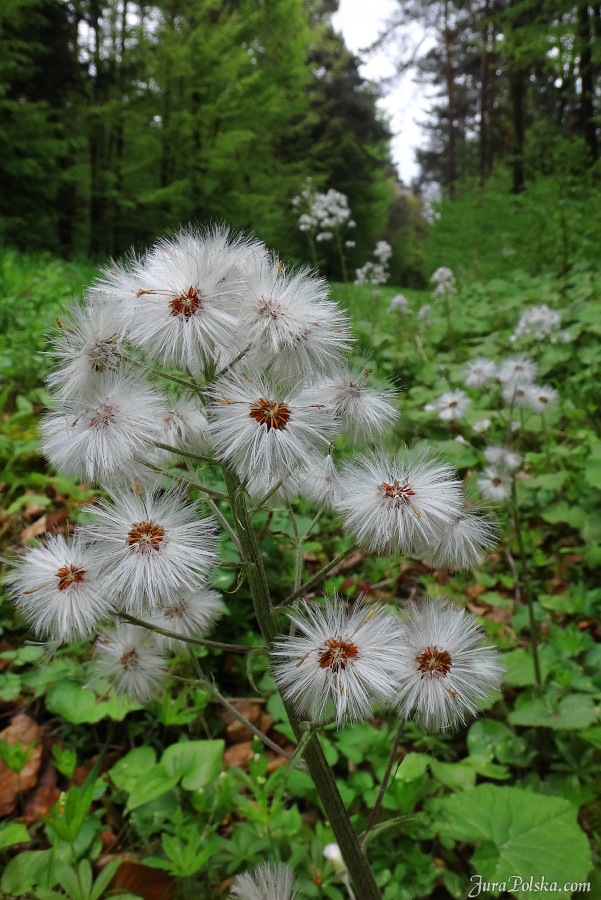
(484, 78)
(587, 107)
(518, 91)
(451, 171)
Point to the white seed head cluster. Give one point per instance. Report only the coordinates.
(266, 882)
(540, 321)
(450, 405)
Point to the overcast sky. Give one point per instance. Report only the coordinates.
(360, 21)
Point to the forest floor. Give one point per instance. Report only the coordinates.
(516, 793)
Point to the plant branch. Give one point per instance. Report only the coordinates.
(527, 588)
(219, 495)
(201, 642)
(391, 760)
(308, 585)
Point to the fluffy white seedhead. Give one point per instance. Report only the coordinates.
(189, 613)
(87, 346)
(151, 545)
(445, 669)
(494, 484)
(479, 371)
(515, 394)
(56, 585)
(540, 320)
(320, 484)
(481, 425)
(129, 658)
(339, 659)
(451, 405)
(289, 321)
(266, 430)
(519, 370)
(441, 275)
(97, 437)
(362, 411)
(179, 302)
(466, 542)
(539, 399)
(185, 428)
(267, 882)
(503, 457)
(395, 505)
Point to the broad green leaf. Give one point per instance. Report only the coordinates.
(484, 735)
(518, 833)
(573, 711)
(131, 767)
(26, 870)
(592, 736)
(519, 667)
(13, 833)
(592, 472)
(78, 704)
(565, 512)
(150, 785)
(460, 776)
(197, 763)
(413, 766)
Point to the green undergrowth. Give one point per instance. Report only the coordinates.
(515, 793)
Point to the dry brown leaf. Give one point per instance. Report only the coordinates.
(143, 881)
(34, 530)
(24, 730)
(44, 795)
(238, 754)
(473, 591)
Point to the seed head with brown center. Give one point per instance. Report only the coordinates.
(336, 654)
(145, 536)
(270, 413)
(187, 303)
(68, 575)
(434, 661)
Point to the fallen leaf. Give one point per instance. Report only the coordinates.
(24, 730)
(5, 647)
(142, 881)
(81, 772)
(55, 518)
(238, 754)
(473, 591)
(44, 795)
(34, 530)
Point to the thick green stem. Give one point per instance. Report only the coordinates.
(320, 772)
(527, 588)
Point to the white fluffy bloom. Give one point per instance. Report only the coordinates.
(338, 657)
(383, 252)
(441, 275)
(517, 371)
(151, 544)
(266, 882)
(445, 669)
(320, 484)
(515, 394)
(503, 456)
(189, 613)
(479, 371)
(290, 322)
(185, 427)
(393, 505)
(493, 484)
(130, 660)
(466, 542)
(56, 587)
(179, 302)
(96, 438)
(424, 313)
(87, 345)
(324, 236)
(452, 405)
(267, 432)
(361, 410)
(481, 425)
(350, 243)
(562, 337)
(538, 399)
(400, 302)
(540, 319)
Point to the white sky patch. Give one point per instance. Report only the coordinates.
(406, 102)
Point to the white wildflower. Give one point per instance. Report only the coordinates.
(481, 425)
(425, 313)
(538, 399)
(266, 882)
(57, 588)
(324, 236)
(515, 394)
(518, 370)
(362, 411)
(338, 657)
(350, 243)
(479, 371)
(494, 484)
(442, 275)
(151, 544)
(538, 319)
(400, 302)
(445, 669)
(96, 438)
(179, 301)
(503, 456)
(452, 405)
(190, 613)
(266, 431)
(391, 505)
(131, 661)
(87, 345)
(290, 322)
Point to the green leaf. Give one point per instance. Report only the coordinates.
(519, 832)
(573, 711)
(13, 833)
(592, 736)
(78, 704)
(592, 472)
(519, 667)
(197, 763)
(26, 870)
(131, 767)
(484, 735)
(413, 766)
(150, 785)
(460, 776)
(564, 512)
